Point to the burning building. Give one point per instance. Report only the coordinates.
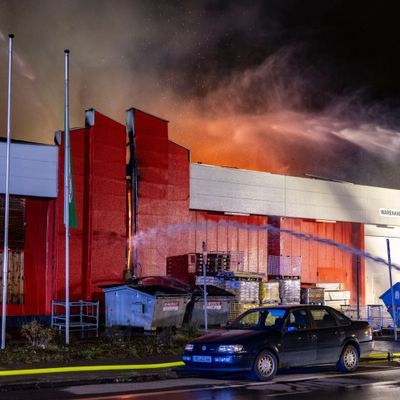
(140, 200)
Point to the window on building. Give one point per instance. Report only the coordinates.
(16, 243)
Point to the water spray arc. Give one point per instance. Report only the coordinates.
(143, 236)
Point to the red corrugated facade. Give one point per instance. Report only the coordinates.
(98, 245)
(37, 260)
(163, 192)
(321, 262)
(224, 233)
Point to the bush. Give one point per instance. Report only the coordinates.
(191, 330)
(38, 336)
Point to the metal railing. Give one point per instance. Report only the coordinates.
(376, 315)
(83, 315)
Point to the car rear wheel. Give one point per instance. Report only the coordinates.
(265, 366)
(348, 361)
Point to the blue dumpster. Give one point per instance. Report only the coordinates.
(148, 307)
(387, 299)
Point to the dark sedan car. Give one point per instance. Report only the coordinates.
(266, 339)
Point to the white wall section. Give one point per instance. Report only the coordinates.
(377, 275)
(241, 191)
(33, 169)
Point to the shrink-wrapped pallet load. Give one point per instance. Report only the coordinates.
(284, 266)
(289, 291)
(312, 295)
(237, 309)
(269, 293)
(244, 291)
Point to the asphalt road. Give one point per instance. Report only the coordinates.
(370, 382)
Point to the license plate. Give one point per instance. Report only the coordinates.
(204, 359)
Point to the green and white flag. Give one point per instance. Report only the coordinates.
(73, 221)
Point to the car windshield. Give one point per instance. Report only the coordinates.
(260, 319)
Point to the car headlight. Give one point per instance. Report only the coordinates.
(230, 348)
(189, 347)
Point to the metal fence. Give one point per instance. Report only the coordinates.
(376, 315)
(84, 315)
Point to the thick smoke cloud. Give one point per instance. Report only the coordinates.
(285, 86)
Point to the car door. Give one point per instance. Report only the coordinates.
(329, 335)
(298, 347)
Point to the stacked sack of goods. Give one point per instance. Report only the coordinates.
(244, 291)
(286, 271)
(312, 295)
(284, 266)
(269, 293)
(245, 287)
(289, 291)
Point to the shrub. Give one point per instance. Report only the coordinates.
(191, 330)
(37, 335)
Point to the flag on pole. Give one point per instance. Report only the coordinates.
(73, 221)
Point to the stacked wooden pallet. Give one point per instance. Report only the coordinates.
(15, 277)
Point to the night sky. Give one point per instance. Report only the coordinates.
(287, 86)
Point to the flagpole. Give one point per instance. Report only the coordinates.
(66, 193)
(7, 199)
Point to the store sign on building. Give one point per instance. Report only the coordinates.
(389, 212)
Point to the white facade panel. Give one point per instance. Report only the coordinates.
(231, 190)
(311, 198)
(377, 274)
(240, 191)
(33, 169)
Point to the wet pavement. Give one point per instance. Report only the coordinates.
(381, 380)
(386, 344)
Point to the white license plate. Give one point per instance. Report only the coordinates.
(204, 359)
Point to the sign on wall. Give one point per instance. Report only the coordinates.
(389, 212)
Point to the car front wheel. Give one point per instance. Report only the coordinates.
(348, 361)
(265, 366)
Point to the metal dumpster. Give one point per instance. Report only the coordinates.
(387, 299)
(218, 306)
(145, 306)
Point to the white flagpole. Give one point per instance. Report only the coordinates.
(7, 205)
(66, 193)
(392, 291)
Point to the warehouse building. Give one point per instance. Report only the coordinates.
(140, 200)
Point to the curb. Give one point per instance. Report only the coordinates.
(18, 386)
